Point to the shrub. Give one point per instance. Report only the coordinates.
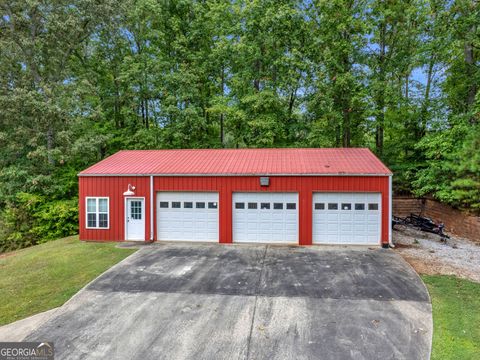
(32, 219)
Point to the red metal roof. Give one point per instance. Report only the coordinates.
(194, 162)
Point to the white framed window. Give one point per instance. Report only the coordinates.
(98, 211)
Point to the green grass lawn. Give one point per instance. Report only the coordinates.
(42, 277)
(456, 317)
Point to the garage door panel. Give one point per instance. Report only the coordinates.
(279, 225)
(345, 229)
(345, 238)
(290, 227)
(360, 217)
(266, 218)
(349, 221)
(188, 222)
(268, 221)
(332, 217)
(332, 227)
(359, 228)
(346, 217)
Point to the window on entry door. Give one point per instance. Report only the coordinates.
(136, 209)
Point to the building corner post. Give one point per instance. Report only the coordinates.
(151, 208)
(390, 210)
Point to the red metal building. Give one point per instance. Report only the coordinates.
(301, 196)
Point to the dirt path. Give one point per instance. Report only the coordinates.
(428, 255)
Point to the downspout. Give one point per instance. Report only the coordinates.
(151, 208)
(390, 207)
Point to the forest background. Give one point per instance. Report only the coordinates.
(82, 79)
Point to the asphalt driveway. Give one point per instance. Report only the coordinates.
(196, 301)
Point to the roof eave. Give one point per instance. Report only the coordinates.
(234, 174)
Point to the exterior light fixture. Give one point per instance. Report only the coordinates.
(264, 181)
(130, 190)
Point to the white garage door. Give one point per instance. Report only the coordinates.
(265, 217)
(187, 216)
(346, 218)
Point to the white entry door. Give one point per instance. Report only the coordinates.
(265, 217)
(347, 218)
(135, 221)
(187, 216)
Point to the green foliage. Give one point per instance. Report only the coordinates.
(32, 219)
(82, 79)
(452, 169)
(56, 219)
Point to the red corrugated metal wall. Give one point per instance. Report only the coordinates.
(305, 186)
(112, 187)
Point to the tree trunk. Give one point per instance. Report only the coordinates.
(256, 81)
(470, 62)
(221, 131)
(50, 144)
(222, 88)
(380, 118)
(258, 70)
(116, 106)
(426, 99)
(146, 114)
(291, 103)
(142, 108)
(337, 136)
(346, 128)
(407, 82)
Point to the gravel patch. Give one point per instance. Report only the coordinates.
(429, 255)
